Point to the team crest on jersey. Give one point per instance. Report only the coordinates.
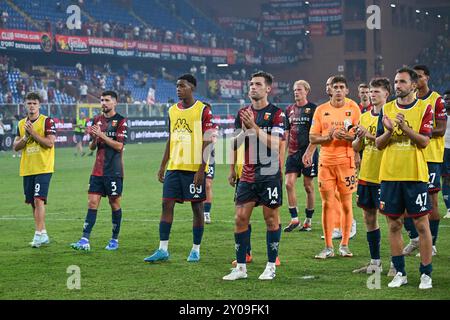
(267, 115)
(182, 126)
(348, 113)
(114, 123)
(308, 110)
(382, 205)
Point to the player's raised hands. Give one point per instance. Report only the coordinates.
(29, 128)
(361, 132)
(387, 122)
(248, 119)
(400, 119)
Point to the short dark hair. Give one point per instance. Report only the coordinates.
(33, 96)
(422, 67)
(414, 76)
(267, 76)
(381, 83)
(110, 93)
(189, 78)
(339, 79)
(363, 85)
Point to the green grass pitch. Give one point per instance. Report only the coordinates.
(27, 273)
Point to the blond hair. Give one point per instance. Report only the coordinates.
(303, 83)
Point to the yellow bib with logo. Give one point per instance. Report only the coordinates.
(402, 160)
(240, 160)
(434, 152)
(371, 159)
(36, 159)
(186, 137)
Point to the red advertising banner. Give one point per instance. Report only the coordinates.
(26, 40)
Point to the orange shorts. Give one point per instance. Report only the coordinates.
(342, 177)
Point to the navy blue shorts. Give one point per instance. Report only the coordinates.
(79, 137)
(445, 166)
(398, 196)
(294, 164)
(106, 186)
(434, 173)
(268, 193)
(368, 196)
(235, 190)
(36, 187)
(211, 171)
(179, 186)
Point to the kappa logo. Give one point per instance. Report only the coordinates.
(182, 126)
(326, 114)
(196, 196)
(273, 202)
(423, 209)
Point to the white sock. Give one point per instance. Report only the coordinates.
(242, 266)
(270, 265)
(196, 247)
(164, 245)
(38, 233)
(44, 231)
(375, 261)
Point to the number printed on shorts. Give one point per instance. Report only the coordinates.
(193, 189)
(113, 186)
(422, 199)
(37, 188)
(273, 193)
(432, 177)
(210, 170)
(350, 181)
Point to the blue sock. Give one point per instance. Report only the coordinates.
(434, 227)
(374, 238)
(249, 246)
(293, 212)
(426, 269)
(309, 213)
(197, 233)
(399, 264)
(241, 240)
(410, 228)
(116, 220)
(273, 241)
(207, 207)
(89, 223)
(164, 230)
(446, 195)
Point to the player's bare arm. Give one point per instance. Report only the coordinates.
(382, 141)
(316, 139)
(165, 159)
(441, 126)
